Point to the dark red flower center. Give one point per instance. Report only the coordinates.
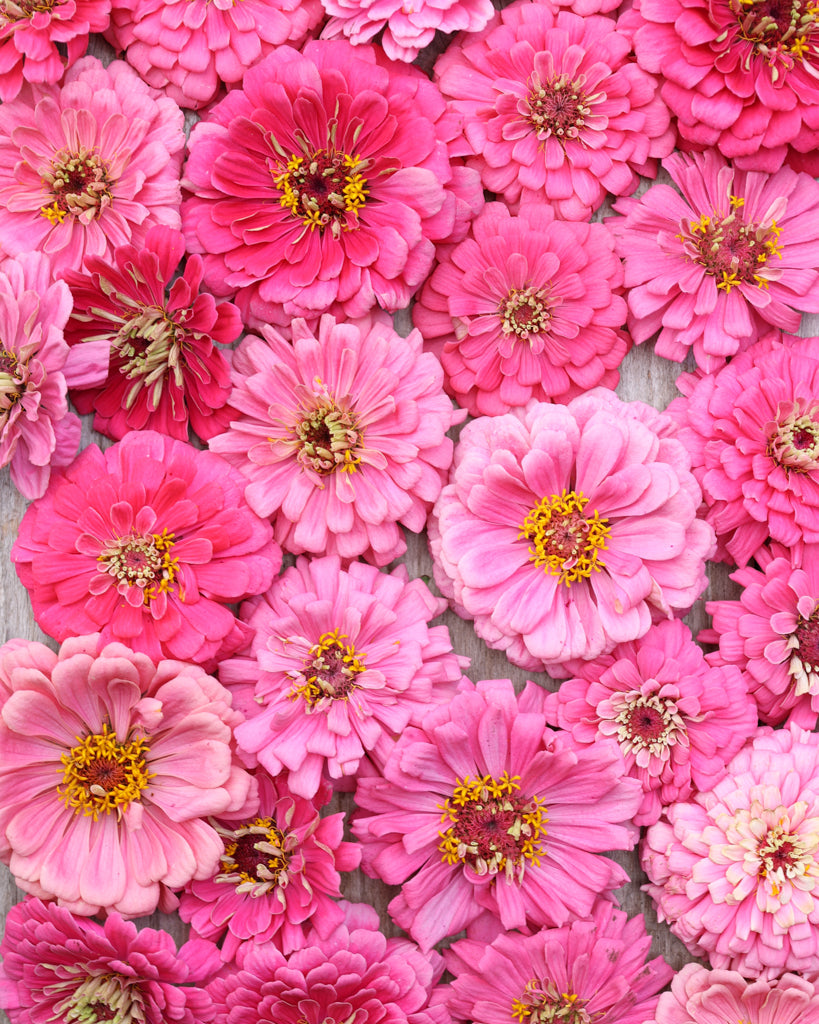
(328, 438)
(102, 774)
(558, 108)
(24, 10)
(777, 28)
(323, 188)
(793, 438)
(144, 562)
(731, 250)
(646, 722)
(566, 542)
(256, 856)
(782, 855)
(78, 184)
(147, 350)
(96, 998)
(525, 312)
(807, 633)
(331, 672)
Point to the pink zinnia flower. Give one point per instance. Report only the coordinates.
(146, 542)
(590, 970)
(165, 371)
(528, 307)
(278, 875)
(108, 765)
(752, 431)
(37, 431)
(735, 870)
(88, 166)
(342, 435)
(566, 528)
(677, 719)
(552, 104)
(740, 75)
(341, 662)
(32, 32)
(712, 267)
(322, 183)
(59, 967)
(485, 812)
(772, 633)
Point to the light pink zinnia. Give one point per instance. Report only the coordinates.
(736, 871)
(323, 183)
(146, 542)
(709, 269)
(278, 875)
(88, 166)
(772, 633)
(341, 662)
(189, 48)
(36, 367)
(109, 765)
(485, 812)
(342, 435)
(739, 75)
(164, 368)
(676, 719)
(59, 967)
(527, 307)
(564, 529)
(752, 431)
(553, 104)
(591, 970)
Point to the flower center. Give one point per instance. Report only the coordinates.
(323, 189)
(525, 312)
(543, 1003)
(647, 722)
(101, 998)
(79, 184)
(804, 658)
(144, 562)
(778, 29)
(782, 856)
(491, 827)
(101, 774)
(331, 673)
(794, 438)
(328, 438)
(566, 542)
(559, 107)
(24, 10)
(256, 856)
(147, 349)
(11, 384)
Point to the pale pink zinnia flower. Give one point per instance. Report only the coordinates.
(342, 435)
(772, 633)
(278, 875)
(752, 431)
(676, 719)
(323, 184)
(109, 764)
(189, 48)
(527, 307)
(565, 529)
(146, 542)
(60, 967)
(553, 104)
(164, 368)
(710, 267)
(736, 870)
(341, 662)
(485, 813)
(595, 969)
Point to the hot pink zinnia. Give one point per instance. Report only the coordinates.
(485, 812)
(677, 719)
(552, 104)
(59, 967)
(341, 662)
(109, 765)
(88, 166)
(342, 435)
(591, 970)
(164, 368)
(712, 267)
(322, 183)
(146, 542)
(566, 528)
(736, 870)
(527, 307)
(752, 432)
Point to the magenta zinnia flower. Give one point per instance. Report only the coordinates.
(712, 267)
(164, 369)
(109, 765)
(552, 104)
(485, 812)
(88, 166)
(590, 970)
(566, 528)
(342, 435)
(146, 542)
(736, 870)
(59, 967)
(344, 184)
(528, 307)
